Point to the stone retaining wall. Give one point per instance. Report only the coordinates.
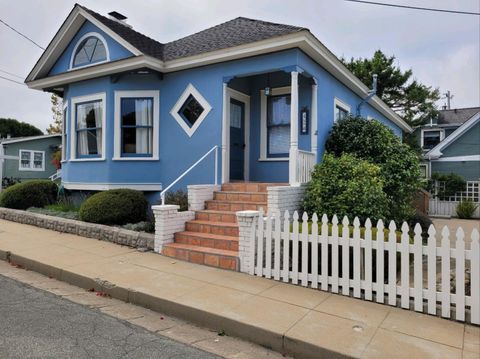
(84, 229)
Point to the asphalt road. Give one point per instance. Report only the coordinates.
(38, 324)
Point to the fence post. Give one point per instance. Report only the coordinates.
(246, 223)
(168, 221)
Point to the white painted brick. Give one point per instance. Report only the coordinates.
(168, 221)
(198, 194)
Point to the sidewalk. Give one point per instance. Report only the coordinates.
(290, 319)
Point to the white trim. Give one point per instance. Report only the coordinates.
(64, 131)
(293, 151)
(190, 90)
(239, 96)
(469, 158)
(340, 104)
(89, 34)
(436, 151)
(423, 130)
(274, 159)
(73, 132)
(117, 153)
(225, 136)
(314, 120)
(157, 187)
(31, 166)
(427, 169)
(6, 141)
(285, 90)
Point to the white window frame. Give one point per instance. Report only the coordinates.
(32, 155)
(73, 128)
(190, 90)
(286, 90)
(89, 34)
(341, 104)
(441, 130)
(117, 134)
(427, 170)
(64, 131)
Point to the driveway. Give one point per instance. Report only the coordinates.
(453, 223)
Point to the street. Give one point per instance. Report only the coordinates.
(38, 324)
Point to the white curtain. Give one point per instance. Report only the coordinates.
(144, 117)
(82, 136)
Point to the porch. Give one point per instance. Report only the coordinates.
(269, 127)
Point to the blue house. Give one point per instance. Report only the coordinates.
(138, 113)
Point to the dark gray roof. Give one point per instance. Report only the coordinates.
(232, 33)
(454, 116)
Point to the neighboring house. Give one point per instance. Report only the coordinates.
(138, 113)
(33, 156)
(451, 143)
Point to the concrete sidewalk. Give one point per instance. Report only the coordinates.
(290, 319)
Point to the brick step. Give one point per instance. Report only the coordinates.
(234, 206)
(249, 186)
(240, 196)
(216, 216)
(202, 255)
(207, 240)
(221, 228)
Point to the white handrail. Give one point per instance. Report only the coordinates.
(214, 148)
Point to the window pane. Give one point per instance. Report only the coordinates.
(278, 140)
(191, 110)
(235, 115)
(89, 142)
(89, 115)
(37, 160)
(431, 139)
(136, 113)
(100, 52)
(25, 159)
(90, 50)
(340, 113)
(278, 110)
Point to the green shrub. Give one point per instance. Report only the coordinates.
(37, 193)
(453, 184)
(9, 181)
(179, 197)
(117, 206)
(376, 143)
(346, 186)
(466, 209)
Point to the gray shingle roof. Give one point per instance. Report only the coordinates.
(459, 115)
(232, 33)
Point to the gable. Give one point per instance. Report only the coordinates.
(467, 144)
(115, 50)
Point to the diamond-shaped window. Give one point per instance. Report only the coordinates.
(190, 110)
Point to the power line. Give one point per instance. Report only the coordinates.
(9, 73)
(18, 32)
(6, 78)
(416, 7)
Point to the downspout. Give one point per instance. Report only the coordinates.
(371, 93)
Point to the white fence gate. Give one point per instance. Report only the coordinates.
(371, 263)
(447, 205)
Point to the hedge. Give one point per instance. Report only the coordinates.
(117, 206)
(36, 193)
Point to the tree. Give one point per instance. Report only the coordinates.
(14, 128)
(57, 111)
(412, 100)
(374, 142)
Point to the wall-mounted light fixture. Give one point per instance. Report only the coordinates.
(304, 121)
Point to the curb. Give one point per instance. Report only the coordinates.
(271, 340)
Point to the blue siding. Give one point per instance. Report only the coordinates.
(177, 150)
(117, 51)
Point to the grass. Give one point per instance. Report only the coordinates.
(63, 206)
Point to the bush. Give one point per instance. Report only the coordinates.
(376, 143)
(346, 186)
(453, 184)
(423, 220)
(466, 209)
(37, 193)
(117, 206)
(179, 197)
(9, 181)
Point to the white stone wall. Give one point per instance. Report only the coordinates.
(198, 194)
(283, 198)
(169, 221)
(247, 221)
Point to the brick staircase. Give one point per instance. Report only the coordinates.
(212, 237)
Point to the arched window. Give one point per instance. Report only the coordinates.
(90, 49)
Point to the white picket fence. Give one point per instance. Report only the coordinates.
(367, 266)
(305, 164)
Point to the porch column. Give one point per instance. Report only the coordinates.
(225, 128)
(314, 120)
(292, 170)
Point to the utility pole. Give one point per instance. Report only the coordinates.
(449, 97)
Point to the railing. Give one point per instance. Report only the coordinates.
(305, 163)
(377, 264)
(214, 148)
(56, 175)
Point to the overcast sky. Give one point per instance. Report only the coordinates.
(442, 49)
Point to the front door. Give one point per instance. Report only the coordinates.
(237, 140)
